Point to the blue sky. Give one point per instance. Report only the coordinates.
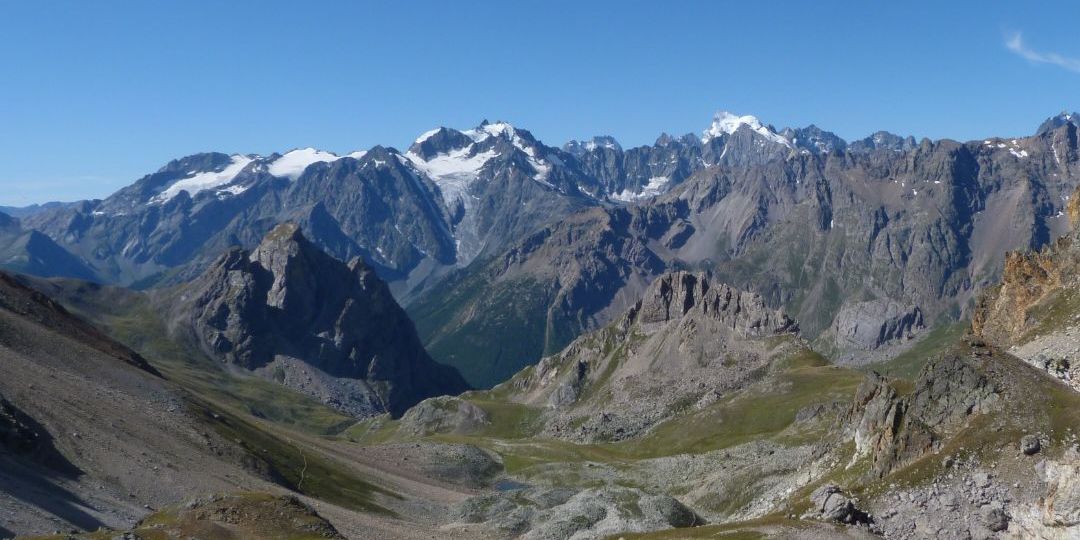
(95, 94)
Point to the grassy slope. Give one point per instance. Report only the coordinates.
(259, 415)
(907, 364)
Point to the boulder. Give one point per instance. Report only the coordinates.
(832, 504)
(996, 520)
(1030, 445)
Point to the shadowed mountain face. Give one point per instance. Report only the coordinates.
(290, 312)
(31, 252)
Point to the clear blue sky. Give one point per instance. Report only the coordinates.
(95, 94)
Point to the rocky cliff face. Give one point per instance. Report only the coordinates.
(978, 448)
(290, 312)
(681, 294)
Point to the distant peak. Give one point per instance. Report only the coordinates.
(726, 123)
(576, 147)
(1061, 119)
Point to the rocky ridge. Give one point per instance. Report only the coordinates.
(689, 339)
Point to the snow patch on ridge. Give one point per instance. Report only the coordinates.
(292, 164)
(426, 135)
(207, 180)
(651, 189)
(452, 172)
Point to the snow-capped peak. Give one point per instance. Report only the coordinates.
(454, 169)
(725, 123)
(493, 129)
(292, 164)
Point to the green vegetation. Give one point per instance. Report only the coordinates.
(760, 412)
(306, 472)
(908, 364)
(488, 331)
(766, 410)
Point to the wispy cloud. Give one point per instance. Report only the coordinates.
(1015, 43)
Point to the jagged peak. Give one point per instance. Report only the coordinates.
(667, 139)
(814, 139)
(678, 294)
(884, 139)
(439, 141)
(498, 128)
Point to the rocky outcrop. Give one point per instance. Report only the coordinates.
(1003, 314)
(892, 430)
(443, 415)
(1032, 312)
(1061, 497)
(294, 314)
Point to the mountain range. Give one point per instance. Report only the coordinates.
(481, 230)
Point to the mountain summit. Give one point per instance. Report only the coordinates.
(292, 313)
